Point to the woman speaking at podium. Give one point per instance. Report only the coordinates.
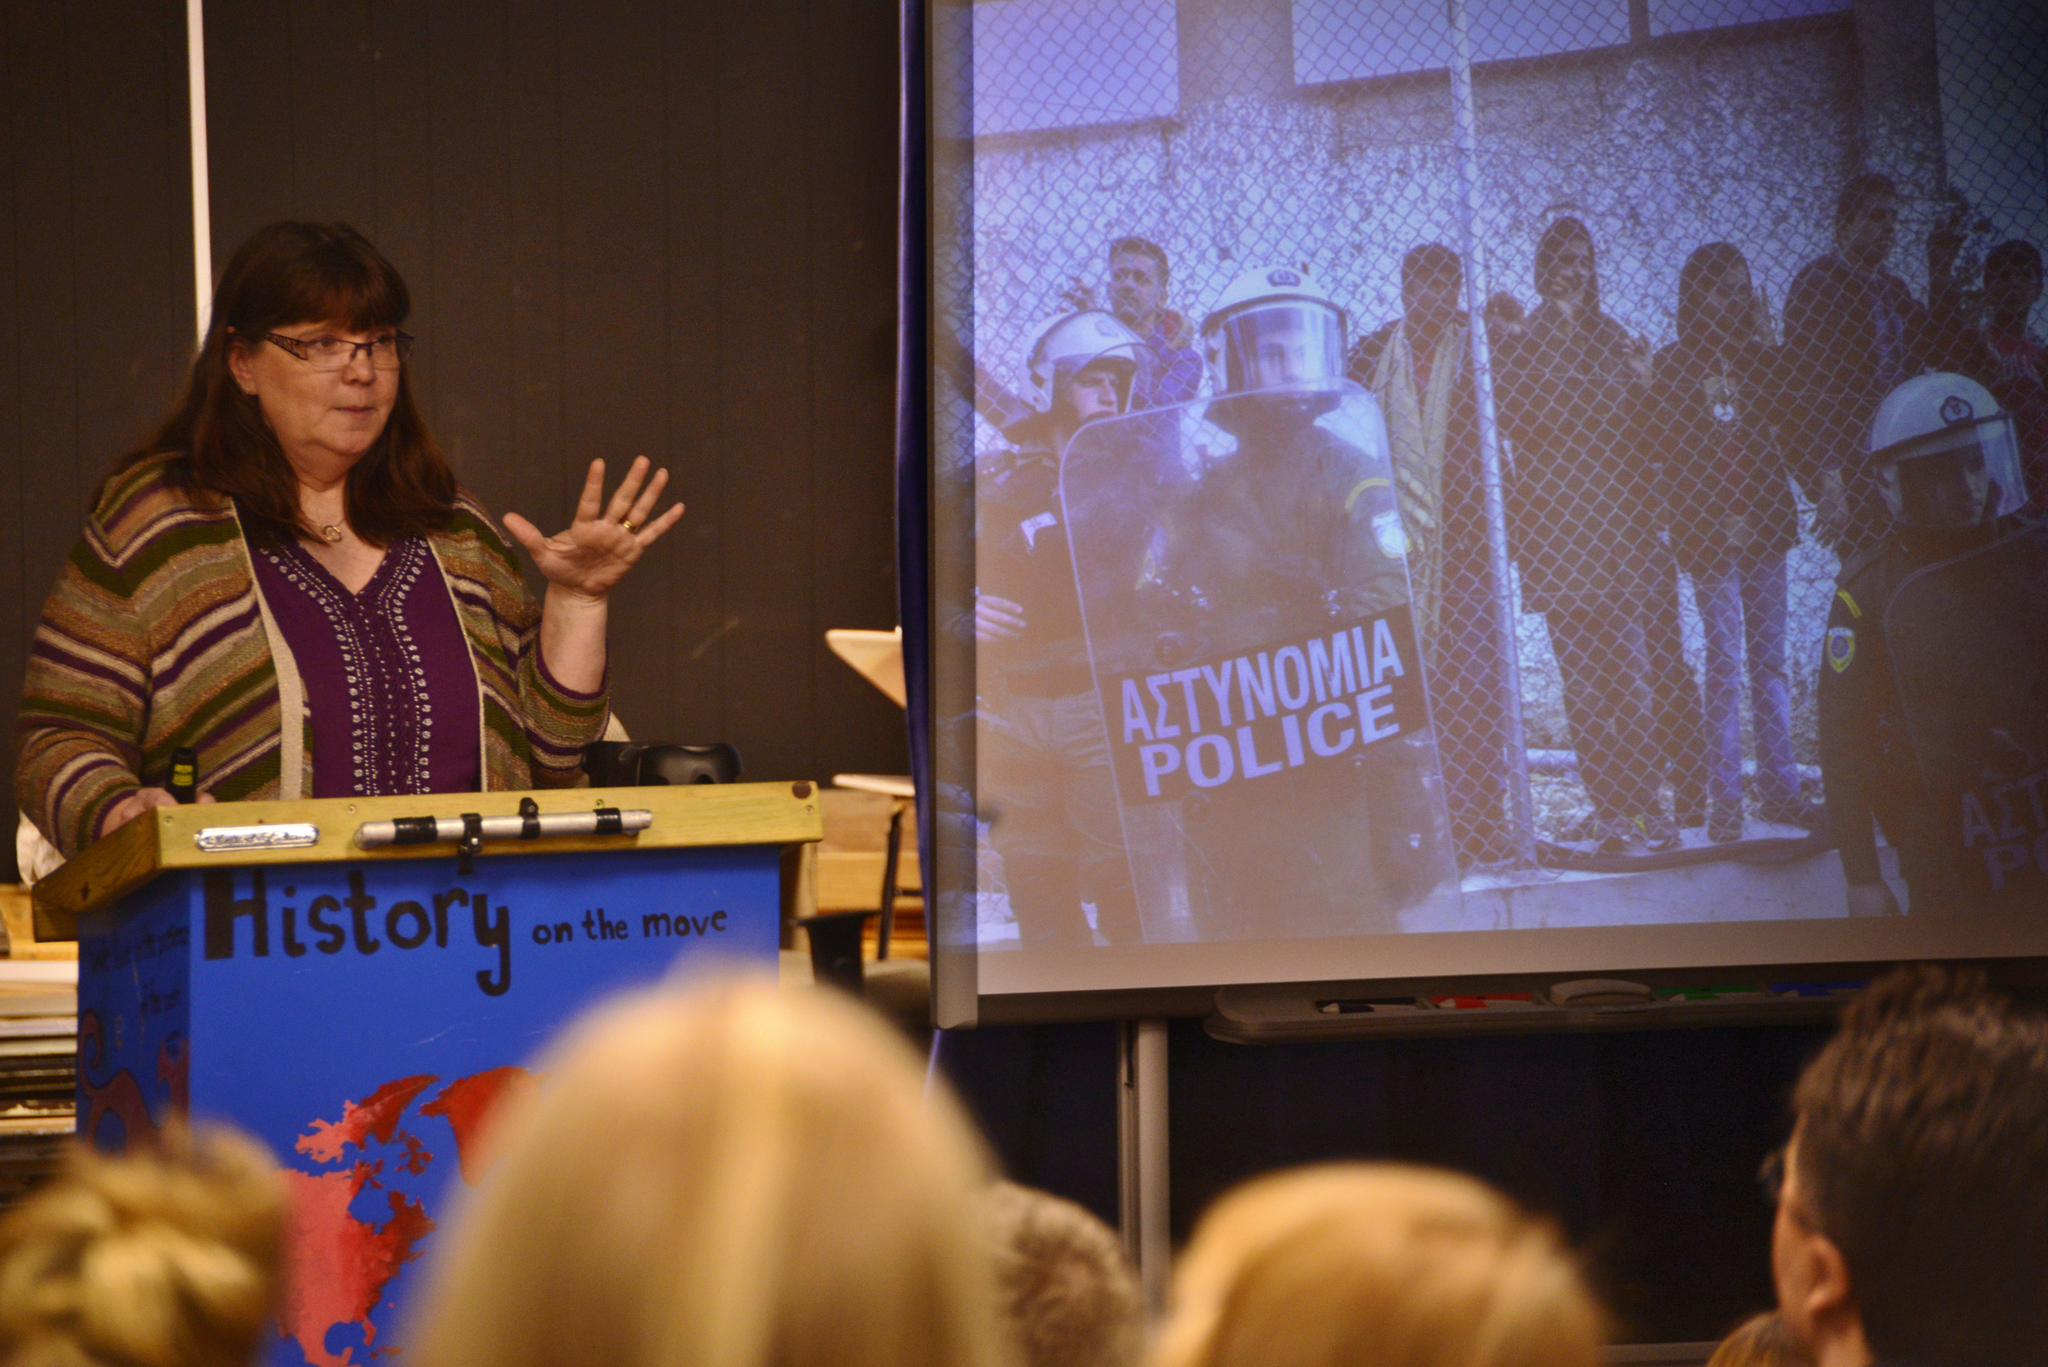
(287, 580)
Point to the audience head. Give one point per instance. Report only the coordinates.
(1566, 272)
(721, 1175)
(1716, 301)
(1914, 1207)
(164, 1257)
(1867, 220)
(1761, 1341)
(1064, 1285)
(2012, 281)
(1376, 1265)
(1432, 280)
(1137, 281)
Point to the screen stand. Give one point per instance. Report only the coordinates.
(1142, 1154)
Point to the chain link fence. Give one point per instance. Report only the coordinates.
(1701, 240)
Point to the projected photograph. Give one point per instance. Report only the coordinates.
(1416, 467)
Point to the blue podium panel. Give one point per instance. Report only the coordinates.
(134, 1015)
(362, 1017)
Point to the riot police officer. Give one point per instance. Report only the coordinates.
(1304, 518)
(1289, 532)
(1933, 718)
(1046, 785)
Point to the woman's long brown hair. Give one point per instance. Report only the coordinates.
(286, 274)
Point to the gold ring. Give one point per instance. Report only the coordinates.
(627, 523)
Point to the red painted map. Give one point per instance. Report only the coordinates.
(338, 1260)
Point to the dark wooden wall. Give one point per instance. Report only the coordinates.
(630, 228)
(96, 312)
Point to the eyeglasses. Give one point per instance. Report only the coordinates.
(332, 353)
(1770, 1175)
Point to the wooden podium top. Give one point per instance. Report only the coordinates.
(165, 837)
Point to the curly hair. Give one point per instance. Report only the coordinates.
(163, 1257)
(1063, 1281)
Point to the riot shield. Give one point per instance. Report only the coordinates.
(1244, 592)
(1968, 639)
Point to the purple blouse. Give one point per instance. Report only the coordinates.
(381, 668)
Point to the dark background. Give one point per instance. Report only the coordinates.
(1643, 1145)
(96, 324)
(629, 228)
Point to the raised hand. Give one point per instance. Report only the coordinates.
(997, 619)
(606, 537)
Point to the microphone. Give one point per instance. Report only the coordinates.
(184, 784)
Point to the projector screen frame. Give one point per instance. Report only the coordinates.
(973, 986)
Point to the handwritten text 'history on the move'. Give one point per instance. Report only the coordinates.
(409, 925)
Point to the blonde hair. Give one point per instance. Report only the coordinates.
(161, 1257)
(726, 1175)
(1761, 1341)
(1376, 1265)
(1064, 1284)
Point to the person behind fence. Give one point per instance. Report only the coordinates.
(1584, 524)
(1911, 1210)
(1853, 333)
(1376, 1265)
(2014, 361)
(1065, 1287)
(1043, 757)
(1419, 368)
(1169, 369)
(1715, 419)
(1934, 665)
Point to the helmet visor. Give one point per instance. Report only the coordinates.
(1962, 476)
(1285, 342)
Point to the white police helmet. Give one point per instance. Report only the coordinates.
(1273, 326)
(1945, 454)
(1062, 347)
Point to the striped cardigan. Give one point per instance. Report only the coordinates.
(157, 637)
